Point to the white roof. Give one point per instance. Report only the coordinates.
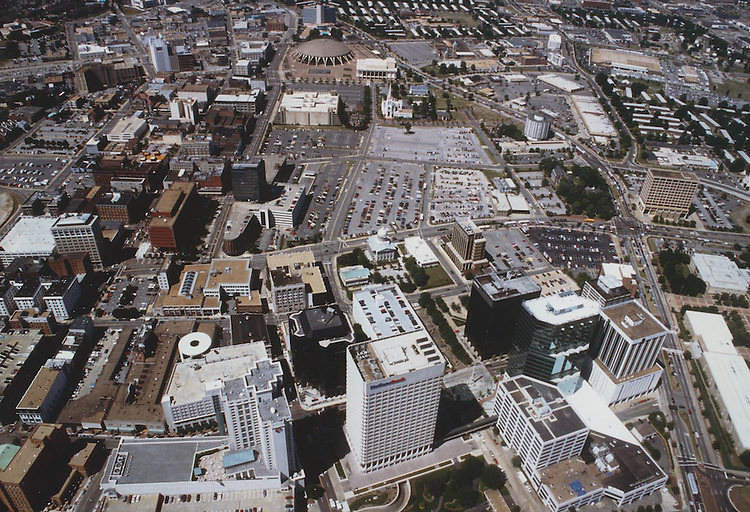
(719, 272)
(732, 378)
(620, 270)
(30, 235)
(518, 203)
(401, 354)
(192, 378)
(420, 251)
(596, 414)
(388, 64)
(386, 310)
(712, 331)
(310, 102)
(561, 308)
(560, 82)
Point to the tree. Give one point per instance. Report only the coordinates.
(492, 476)
(516, 461)
(407, 127)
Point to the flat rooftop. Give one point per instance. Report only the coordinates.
(39, 388)
(396, 355)
(145, 461)
(290, 260)
(497, 288)
(561, 308)
(468, 226)
(623, 466)
(30, 235)
(718, 271)
(386, 310)
(544, 406)
(675, 175)
(191, 378)
(228, 272)
(712, 330)
(634, 320)
(732, 378)
(15, 349)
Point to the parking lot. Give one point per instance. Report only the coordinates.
(573, 249)
(136, 292)
(460, 193)
(417, 53)
(511, 248)
(713, 208)
(313, 143)
(545, 196)
(65, 138)
(443, 145)
(29, 172)
(324, 182)
(388, 194)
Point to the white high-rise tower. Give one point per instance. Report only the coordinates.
(392, 383)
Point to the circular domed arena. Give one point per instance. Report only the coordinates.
(323, 52)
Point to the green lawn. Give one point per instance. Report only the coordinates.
(733, 89)
(436, 277)
(461, 18)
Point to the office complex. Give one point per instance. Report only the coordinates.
(239, 389)
(309, 109)
(170, 225)
(76, 233)
(392, 382)
(607, 290)
(249, 180)
(318, 14)
(161, 54)
(37, 470)
(573, 449)
(535, 420)
(627, 342)
(466, 247)
(552, 337)
(667, 193)
(494, 307)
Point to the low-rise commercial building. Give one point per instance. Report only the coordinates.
(720, 274)
(309, 109)
(29, 237)
(377, 69)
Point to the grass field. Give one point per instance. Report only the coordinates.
(733, 89)
(437, 277)
(740, 497)
(739, 216)
(460, 103)
(461, 18)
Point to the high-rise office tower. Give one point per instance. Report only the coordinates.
(318, 14)
(392, 382)
(249, 180)
(240, 390)
(161, 54)
(552, 337)
(466, 247)
(628, 340)
(76, 233)
(607, 290)
(667, 193)
(535, 419)
(494, 307)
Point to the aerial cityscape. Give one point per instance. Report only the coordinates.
(374, 255)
